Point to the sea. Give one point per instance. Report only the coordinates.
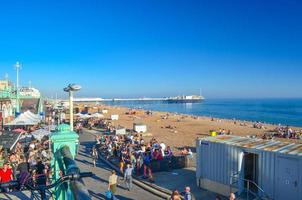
(272, 111)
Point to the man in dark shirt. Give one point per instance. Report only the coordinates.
(40, 169)
(23, 169)
(23, 166)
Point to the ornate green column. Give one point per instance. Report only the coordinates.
(61, 138)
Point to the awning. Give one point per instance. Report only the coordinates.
(26, 118)
(19, 130)
(8, 139)
(40, 133)
(97, 115)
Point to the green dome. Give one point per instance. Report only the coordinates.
(63, 128)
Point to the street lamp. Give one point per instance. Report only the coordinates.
(17, 67)
(1, 118)
(71, 88)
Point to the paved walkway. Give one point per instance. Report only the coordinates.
(98, 184)
(15, 196)
(179, 178)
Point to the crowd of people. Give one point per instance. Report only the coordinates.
(134, 155)
(133, 150)
(113, 182)
(284, 132)
(259, 125)
(27, 163)
(220, 131)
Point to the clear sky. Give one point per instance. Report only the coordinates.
(155, 48)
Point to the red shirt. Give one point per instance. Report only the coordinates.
(5, 175)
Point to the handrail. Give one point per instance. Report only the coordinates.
(61, 180)
(264, 194)
(43, 188)
(77, 185)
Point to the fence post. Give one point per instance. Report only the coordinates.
(248, 190)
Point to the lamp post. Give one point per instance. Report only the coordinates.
(70, 89)
(1, 117)
(18, 67)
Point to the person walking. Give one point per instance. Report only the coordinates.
(175, 195)
(23, 169)
(94, 155)
(121, 162)
(232, 196)
(112, 184)
(147, 167)
(187, 194)
(128, 177)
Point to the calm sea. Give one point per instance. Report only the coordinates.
(274, 111)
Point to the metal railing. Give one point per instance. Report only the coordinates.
(77, 186)
(5, 94)
(252, 189)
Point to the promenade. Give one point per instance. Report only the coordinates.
(25, 195)
(176, 179)
(98, 184)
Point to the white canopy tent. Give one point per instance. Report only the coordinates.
(26, 118)
(40, 133)
(86, 116)
(32, 116)
(97, 115)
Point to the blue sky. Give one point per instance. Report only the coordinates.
(155, 48)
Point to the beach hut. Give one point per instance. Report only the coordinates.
(140, 128)
(114, 117)
(250, 166)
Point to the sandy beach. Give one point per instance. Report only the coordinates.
(179, 130)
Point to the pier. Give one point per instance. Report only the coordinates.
(117, 99)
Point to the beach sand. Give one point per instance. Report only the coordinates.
(180, 130)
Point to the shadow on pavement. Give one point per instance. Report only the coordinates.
(96, 196)
(13, 196)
